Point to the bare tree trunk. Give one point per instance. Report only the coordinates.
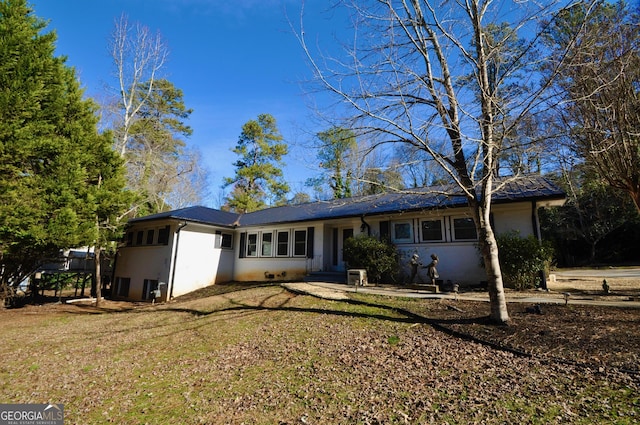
(98, 258)
(489, 251)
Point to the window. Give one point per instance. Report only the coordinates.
(223, 240)
(300, 242)
(150, 235)
(122, 286)
(227, 241)
(148, 288)
(252, 245)
(129, 238)
(402, 231)
(431, 230)
(267, 245)
(139, 237)
(163, 236)
(464, 229)
(283, 243)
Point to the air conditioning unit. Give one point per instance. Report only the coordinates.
(357, 277)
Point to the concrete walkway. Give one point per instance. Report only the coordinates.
(339, 291)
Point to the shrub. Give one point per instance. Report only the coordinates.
(378, 258)
(522, 259)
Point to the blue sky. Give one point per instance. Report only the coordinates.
(233, 61)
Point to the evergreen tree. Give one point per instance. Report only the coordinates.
(336, 145)
(51, 180)
(258, 178)
(155, 156)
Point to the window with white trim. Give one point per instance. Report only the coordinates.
(227, 241)
(282, 244)
(252, 245)
(431, 230)
(464, 228)
(266, 249)
(402, 231)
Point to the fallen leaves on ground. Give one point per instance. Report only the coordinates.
(264, 356)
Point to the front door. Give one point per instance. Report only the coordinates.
(339, 236)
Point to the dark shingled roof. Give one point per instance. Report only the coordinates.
(196, 214)
(528, 188)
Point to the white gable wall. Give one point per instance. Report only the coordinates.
(199, 262)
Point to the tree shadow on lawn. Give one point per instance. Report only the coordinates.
(396, 314)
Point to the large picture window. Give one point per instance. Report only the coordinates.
(431, 230)
(464, 228)
(300, 243)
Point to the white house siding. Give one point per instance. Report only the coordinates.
(273, 265)
(194, 257)
(199, 262)
(138, 263)
(513, 217)
(459, 260)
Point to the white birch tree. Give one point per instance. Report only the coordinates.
(138, 56)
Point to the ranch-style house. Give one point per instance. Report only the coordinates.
(172, 253)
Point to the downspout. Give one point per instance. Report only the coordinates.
(365, 225)
(175, 260)
(535, 221)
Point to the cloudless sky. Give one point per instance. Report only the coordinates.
(232, 59)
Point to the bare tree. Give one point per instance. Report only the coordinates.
(401, 79)
(138, 55)
(148, 118)
(600, 87)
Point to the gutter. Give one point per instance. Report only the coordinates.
(175, 260)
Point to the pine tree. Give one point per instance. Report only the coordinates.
(258, 176)
(156, 157)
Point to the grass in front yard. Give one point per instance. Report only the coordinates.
(265, 356)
